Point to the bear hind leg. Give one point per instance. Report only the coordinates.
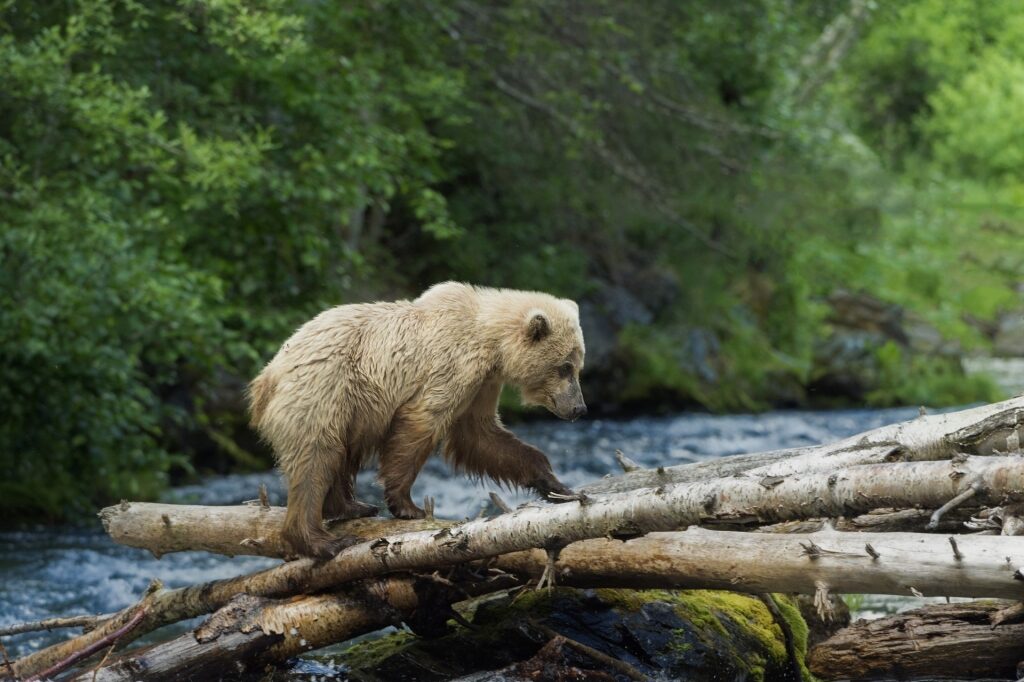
(341, 504)
(308, 486)
(410, 442)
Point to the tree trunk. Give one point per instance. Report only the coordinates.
(697, 558)
(945, 641)
(978, 431)
(244, 530)
(903, 563)
(251, 631)
(240, 530)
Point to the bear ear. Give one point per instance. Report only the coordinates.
(537, 325)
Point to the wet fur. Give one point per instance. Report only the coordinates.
(394, 380)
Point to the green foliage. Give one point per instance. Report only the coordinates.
(971, 123)
(183, 182)
(854, 602)
(96, 325)
(915, 48)
(179, 185)
(926, 381)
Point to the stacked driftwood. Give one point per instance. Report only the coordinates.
(926, 507)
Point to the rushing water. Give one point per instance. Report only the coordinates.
(60, 571)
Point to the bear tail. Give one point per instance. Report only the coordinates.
(261, 390)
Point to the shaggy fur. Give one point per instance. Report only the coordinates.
(396, 379)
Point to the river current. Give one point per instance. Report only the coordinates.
(60, 571)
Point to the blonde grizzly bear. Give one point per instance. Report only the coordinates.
(396, 379)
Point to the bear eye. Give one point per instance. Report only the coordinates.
(565, 370)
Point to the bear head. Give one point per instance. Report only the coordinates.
(544, 356)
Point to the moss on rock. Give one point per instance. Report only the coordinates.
(691, 634)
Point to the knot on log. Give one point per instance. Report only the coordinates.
(234, 617)
(811, 549)
(379, 549)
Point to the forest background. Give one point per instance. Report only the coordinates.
(767, 203)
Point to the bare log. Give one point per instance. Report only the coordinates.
(881, 520)
(856, 489)
(693, 559)
(902, 563)
(163, 528)
(251, 631)
(54, 624)
(947, 641)
(977, 431)
(698, 558)
(239, 530)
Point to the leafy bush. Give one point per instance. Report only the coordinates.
(180, 183)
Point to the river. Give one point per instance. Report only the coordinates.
(64, 570)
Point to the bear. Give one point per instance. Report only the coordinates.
(393, 380)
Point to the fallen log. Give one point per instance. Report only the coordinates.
(944, 641)
(983, 430)
(249, 632)
(909, 564)
(236, 530)
(880, 520)
(989, 480)
(255, 530)
(253, 631)
(903, 564)
(250, 530)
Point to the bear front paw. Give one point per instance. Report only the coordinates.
(567, 496)
(554, 491)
